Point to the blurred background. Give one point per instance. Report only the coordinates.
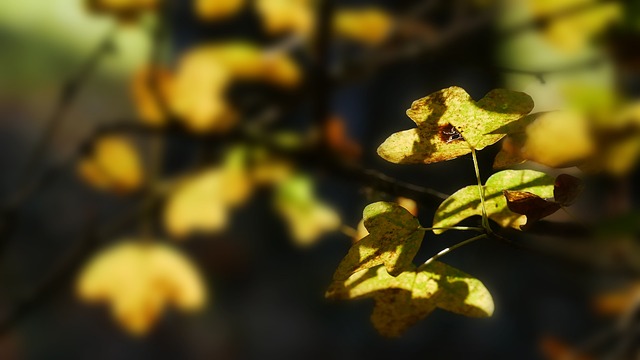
(68, 74)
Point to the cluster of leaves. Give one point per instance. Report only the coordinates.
(449, 125)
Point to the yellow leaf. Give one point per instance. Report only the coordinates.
(138, 280)
(307, 217)
(370, 26)
(201, 203)
(573, 30)
(283, 16)
(217, 9)
(146, 100)
(113, 165)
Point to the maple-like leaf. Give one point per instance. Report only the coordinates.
(407, 298)
(394, 239)
(450, 124)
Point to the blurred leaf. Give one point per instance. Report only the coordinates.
(572, 31)
(556, 139)
(284, 16)
(201, 203)
(402, 301)
(338, 139)
(138, 280)
(124, 10)
(307, 217)
(555, 349)
(212, 10)
(147, 101)
(394, 239)
(466, 201)
(370, 26)
(618, 302)
(450, 123)
(112, 165)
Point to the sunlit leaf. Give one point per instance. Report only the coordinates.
(212, 10)
(449, 123)
(138, 280)
(201, 203)
(308, 218)
(113, 164)
(370, 26)
(407, 298)
(394, 239)
(465, 202)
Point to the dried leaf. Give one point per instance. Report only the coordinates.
(449, 123)
(138, 280)
(407, 298)
(530, 205)
(394, 239)
(465, 202)
(566, 189)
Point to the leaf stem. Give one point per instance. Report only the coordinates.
(461, 228)
(485, 219)
(456, 246)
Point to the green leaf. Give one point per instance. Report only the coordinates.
(449, 123)
(394, 239)
(465, 202)
(402, 301)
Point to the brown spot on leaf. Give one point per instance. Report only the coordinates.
(448, 133)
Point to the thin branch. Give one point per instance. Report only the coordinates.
(321, 78)
(567, 69)
(454, 247)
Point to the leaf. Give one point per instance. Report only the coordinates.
(370, 26)
(147, 103)
(465, 202)
(449, 123)
(201, 202)
(394, 239)
(138, 280)
(557, 139)
(402, 301)
(284, 16)
(307, 217)
(530, 205)
(212, 10)
(113, 164)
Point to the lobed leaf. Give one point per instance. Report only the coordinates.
(404, 300)
(394, 239)
(449, 124)
(465, 202)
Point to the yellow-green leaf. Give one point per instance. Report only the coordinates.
(394, 239)
(402, 301)
(449, 124)
(465, 202)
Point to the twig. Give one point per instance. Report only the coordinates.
(322, 56)
(541, 74)
(456, 246)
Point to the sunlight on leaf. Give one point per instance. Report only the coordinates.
(147, 102)
(394, 239)
(307, 217)
(112, 165)
(212, 10)
(465, 202)
(201, 203)
(407, 298)
(138, 280)
(449, 123)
